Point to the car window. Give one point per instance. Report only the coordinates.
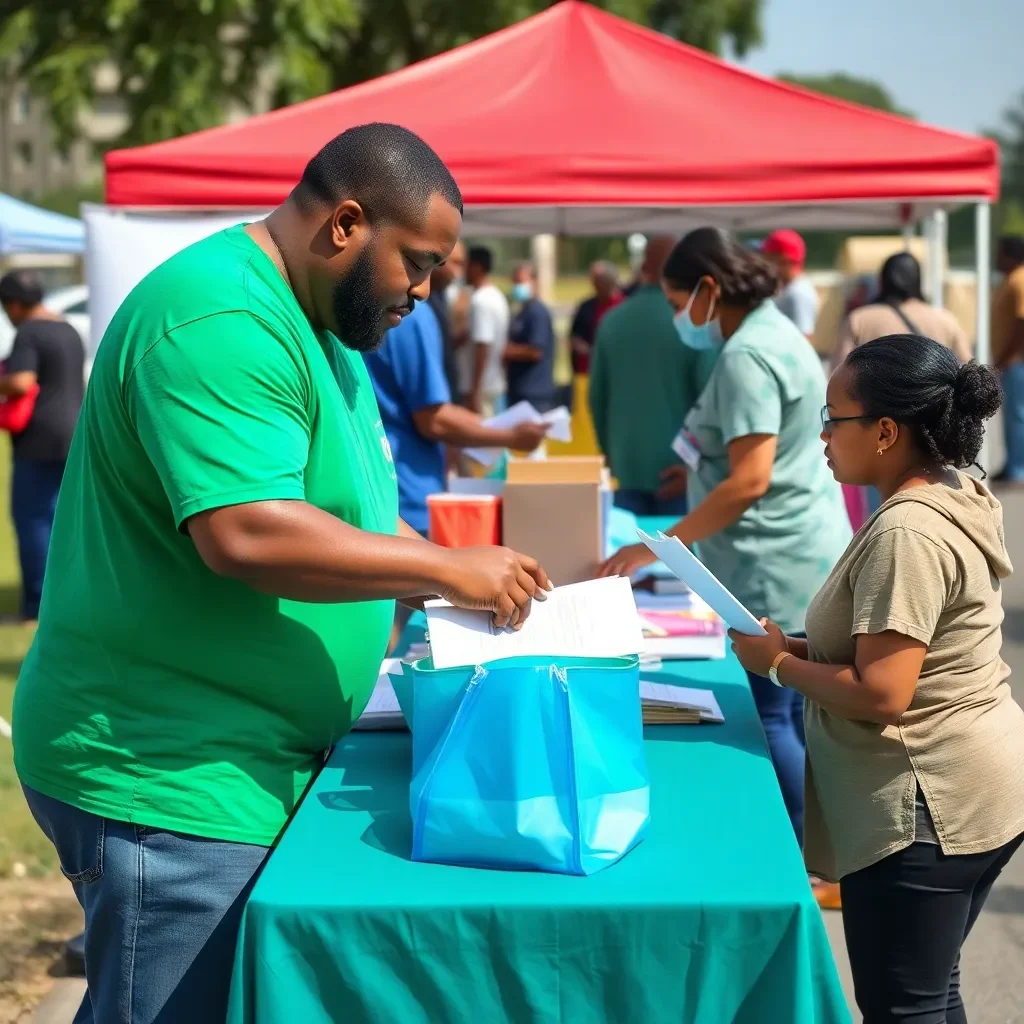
(78, 307)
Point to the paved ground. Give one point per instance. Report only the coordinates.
(993, 961)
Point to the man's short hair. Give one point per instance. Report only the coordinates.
(390, 171)
(481, 256)
(1012, 246)
(21, 286)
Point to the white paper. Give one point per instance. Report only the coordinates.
(685, 564)
(382, 709)
(560, 422)
(514, 416)
(596, 619)
(666, 695)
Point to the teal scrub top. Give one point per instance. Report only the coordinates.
(769, 380)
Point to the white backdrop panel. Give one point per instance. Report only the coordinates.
(122, 246)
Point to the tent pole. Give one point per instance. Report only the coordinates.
(983, 280)
(937, 258)
(543, 253)
(983, 295)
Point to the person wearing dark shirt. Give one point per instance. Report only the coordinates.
(604, 276)
(448, 274)
(530, 352)
(48, 354)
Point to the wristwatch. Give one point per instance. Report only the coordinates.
(773, 672)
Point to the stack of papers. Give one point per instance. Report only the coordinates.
(382, 710)
(559, 421)
(687, 567)
(680, 626)
(596, 619)
(664, 704)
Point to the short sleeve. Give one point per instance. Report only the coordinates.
(483, 322)
(24, 357)
(747, 395)
(220, 407)
(417, 361)
(901, 582)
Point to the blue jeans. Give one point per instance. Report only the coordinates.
(647, 503)
(162, 912)
(34, 487)
(782, 714)
(1013, 420)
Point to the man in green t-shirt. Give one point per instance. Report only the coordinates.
(225, 559)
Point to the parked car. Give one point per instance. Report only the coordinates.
(72, 303)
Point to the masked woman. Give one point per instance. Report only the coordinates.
(766, 515)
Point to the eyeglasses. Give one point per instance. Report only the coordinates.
(828, 423)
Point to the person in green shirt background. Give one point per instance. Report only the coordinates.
(642, 385)
(225, 559)
(766, 514)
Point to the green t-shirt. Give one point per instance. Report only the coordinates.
(157, 692)
(775, 557)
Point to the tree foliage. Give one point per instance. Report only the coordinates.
(182, 63)
(850, 88)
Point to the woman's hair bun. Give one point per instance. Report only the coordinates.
(977, 392)
(922, 384)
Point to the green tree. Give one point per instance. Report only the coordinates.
(850, 88)
(181, 63)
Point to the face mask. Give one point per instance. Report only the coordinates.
(707, 336)
(522, 291)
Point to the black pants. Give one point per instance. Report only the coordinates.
(905, 919)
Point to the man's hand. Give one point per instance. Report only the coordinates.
(527, 436)
(673, 483)
(497, 580)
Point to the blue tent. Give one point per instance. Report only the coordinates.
(25, 228)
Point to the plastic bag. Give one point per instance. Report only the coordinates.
(526, 763)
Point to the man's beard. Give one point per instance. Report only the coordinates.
(357, 312)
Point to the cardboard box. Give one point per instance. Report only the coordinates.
(552, 510)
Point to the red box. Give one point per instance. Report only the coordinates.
(464, 520)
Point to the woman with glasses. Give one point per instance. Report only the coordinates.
(767, 517)
(915, 787)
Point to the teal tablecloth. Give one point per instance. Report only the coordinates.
(710, 920)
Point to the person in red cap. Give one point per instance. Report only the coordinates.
(798, 298)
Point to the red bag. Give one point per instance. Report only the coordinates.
(16, 412)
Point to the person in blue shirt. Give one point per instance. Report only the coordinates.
(419, 416)
(530, 352)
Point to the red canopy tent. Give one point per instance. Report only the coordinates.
(579, 122)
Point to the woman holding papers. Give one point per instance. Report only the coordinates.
(915, 795)
(769, 519)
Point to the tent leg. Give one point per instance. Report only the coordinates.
(983, 295)
(544, 253)
(937, 258)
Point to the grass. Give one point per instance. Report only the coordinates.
(21, 842)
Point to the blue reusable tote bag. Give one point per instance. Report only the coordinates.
(527, 763)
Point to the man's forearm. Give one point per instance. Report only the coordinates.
(461, 428)
(516, 353)
(293, 550)
(481, 353)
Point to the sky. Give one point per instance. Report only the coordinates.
(950, 63)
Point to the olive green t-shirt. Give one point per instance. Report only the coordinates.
(157, 692)
(929, 565)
